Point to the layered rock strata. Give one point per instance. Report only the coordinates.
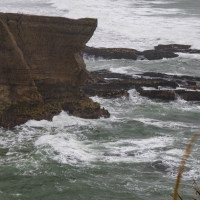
(106, 84)
(41, 70)
(159, 52)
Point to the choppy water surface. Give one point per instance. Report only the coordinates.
(135, 153)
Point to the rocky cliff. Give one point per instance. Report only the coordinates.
(41, 70)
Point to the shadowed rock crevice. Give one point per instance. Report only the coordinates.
(41, 69)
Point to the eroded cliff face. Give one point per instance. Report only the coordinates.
(41, 70)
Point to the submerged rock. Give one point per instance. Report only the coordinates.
(41, 70)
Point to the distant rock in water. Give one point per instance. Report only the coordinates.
(159, 52)
(41, 70)
(176, 48)
(111, 53)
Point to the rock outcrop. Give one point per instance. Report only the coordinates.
(159, 52)
(176, 48)
(111, 53)
(153, 85)
(41, 69)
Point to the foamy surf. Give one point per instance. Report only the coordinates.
(148, 30)
(165, 124)
(65, 148)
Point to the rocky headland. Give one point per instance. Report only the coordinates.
(41, 69)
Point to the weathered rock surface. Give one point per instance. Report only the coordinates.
(41, 70)
(159, 52)
(106, 84)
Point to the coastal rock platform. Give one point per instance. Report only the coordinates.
(104, 83)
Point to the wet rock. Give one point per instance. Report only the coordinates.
(158, 55)
(191, 87)
(176, 48)
(189, 95)
(183, 81)
(125, 53)
(158, 94)
(41, 69)
(117, 85)
(160, 165)
(102, 91)
(159, 52)
(104, 83)
(111, 53)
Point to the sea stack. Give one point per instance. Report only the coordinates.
(41, 69)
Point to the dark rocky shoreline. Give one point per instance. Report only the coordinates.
(104, 83)
(42, 71)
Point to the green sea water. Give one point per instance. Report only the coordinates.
(133, 155)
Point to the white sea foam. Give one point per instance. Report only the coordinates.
(164, 124)
(134, 24)
(137, 150)
(140, 144)
(65, 148)
(121, 70)
(177, 152)
(190, 56)
(61, 120)
(36, 7)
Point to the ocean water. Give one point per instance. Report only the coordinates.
(133, 155)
